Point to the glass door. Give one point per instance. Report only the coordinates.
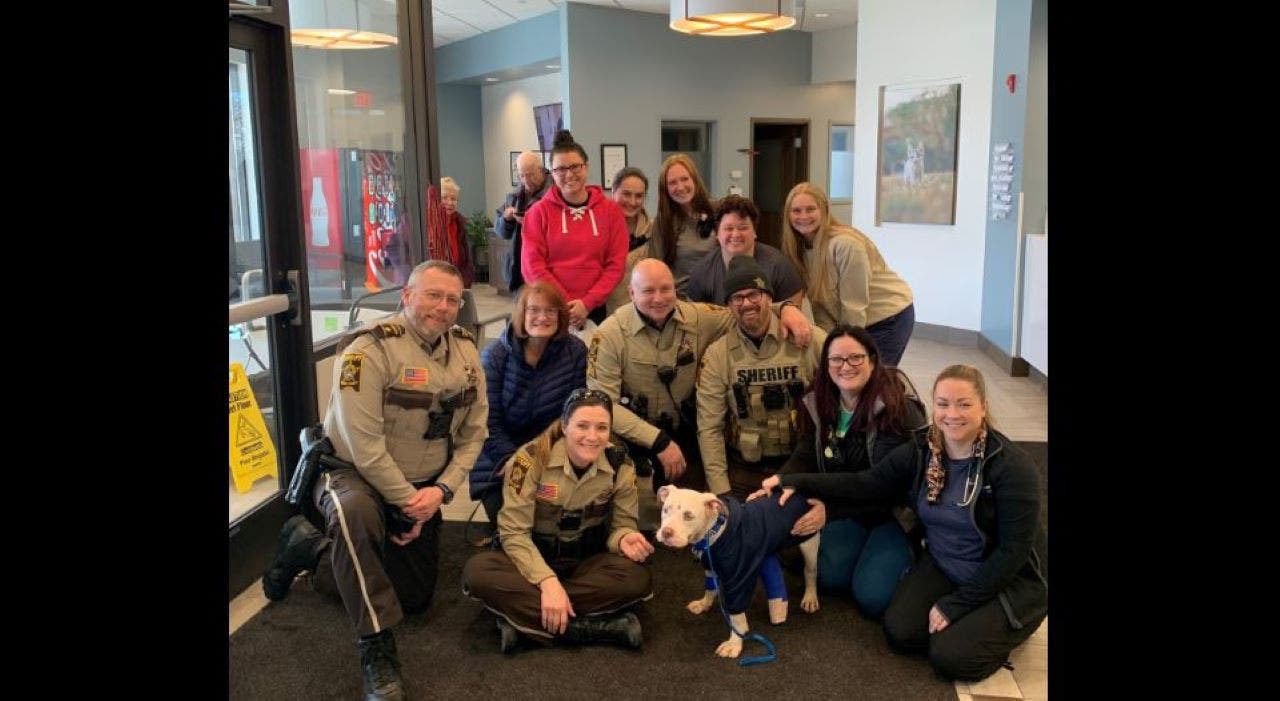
(271, 387)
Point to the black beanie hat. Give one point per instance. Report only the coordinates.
(744, 274)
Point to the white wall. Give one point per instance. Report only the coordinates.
(918, 42)
(835, 55)
(1035, 302)
(507, 112)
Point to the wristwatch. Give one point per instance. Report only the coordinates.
(448, 493)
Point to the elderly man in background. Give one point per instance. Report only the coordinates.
(534, 181)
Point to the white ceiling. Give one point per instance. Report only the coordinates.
(454, 20)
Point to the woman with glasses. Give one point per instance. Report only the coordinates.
(979, 587)
(529, 371)
(683, 232)
(846, 278)
(569, 566)
(575, 237)
(857, 410)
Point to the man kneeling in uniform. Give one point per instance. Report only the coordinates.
(751, 381)
(570, 544)
(380, 497)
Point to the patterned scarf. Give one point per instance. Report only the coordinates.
(936, 475)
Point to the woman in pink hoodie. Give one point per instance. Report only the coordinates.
(575, 237)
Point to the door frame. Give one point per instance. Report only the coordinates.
(804, 159)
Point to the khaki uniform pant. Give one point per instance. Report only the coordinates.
(745, 477)
(600, 584)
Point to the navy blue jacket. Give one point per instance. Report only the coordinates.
(523, 400)
(752, 532)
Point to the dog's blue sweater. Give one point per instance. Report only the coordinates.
(753, 532)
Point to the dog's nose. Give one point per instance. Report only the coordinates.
(666, 532)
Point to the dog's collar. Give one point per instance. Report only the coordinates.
(710, 536)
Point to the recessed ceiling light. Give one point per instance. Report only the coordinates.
(341, 91)
(822, 15)
(552, 65)
(490, 80)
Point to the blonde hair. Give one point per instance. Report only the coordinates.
(447, 183)
(817, 280)
(973, 376)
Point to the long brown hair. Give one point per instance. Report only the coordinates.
(671, 217)
(883, 382)
(818, 278)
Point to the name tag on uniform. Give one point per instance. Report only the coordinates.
(548, 492)
(414, 376)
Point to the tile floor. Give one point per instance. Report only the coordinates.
(1019, 407)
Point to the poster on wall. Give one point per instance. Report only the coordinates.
(916, 167)
(322, 224)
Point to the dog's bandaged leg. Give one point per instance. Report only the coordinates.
(775, 589)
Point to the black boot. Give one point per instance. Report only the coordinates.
(300, 546)
(619, 628)
(381, 667)
(509, 635)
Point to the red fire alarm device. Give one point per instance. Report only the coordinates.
(1012, 82)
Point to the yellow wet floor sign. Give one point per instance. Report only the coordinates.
(253, 455)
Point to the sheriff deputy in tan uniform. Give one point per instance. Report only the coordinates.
(750, 382)
(645, 357)
(408, 414)
(570, 544)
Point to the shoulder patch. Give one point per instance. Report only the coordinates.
(350, 376)
(387, 330)
(591, 355)
(459, 332)
(520, 467)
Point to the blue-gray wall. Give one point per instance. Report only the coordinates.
(461, 143)
(1008, 122)
(1035, 178)
(625, 72)
(520, 44)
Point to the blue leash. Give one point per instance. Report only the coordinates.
(772, 652)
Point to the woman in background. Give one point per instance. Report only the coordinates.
(629, 189)
(846, 278)
(683, 232)
(457, 249)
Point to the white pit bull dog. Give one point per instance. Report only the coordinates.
(740, 542)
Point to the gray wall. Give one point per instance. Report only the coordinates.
(524, 43)
(626, 72)
(1035, 178)
(462, 144)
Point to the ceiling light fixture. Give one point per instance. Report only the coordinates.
(341, 24)
(490, 80)
(822, 15)
(552, 66)
(730, 18)
(341, 91)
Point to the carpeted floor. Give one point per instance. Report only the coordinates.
(303, 648)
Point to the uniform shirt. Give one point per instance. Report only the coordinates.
(384, 385)
(954, 539)
(735, 358)
(625, 355)
(706, 281)
(536, 491)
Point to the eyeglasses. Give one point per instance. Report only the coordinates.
(561, 171)
(584, 393)
(854, 360)
(752, 296)
(541, 311)
(433, 298)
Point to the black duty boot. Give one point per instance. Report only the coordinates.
(300, 546)
(381, 667)
(619, 628)
(509, 635)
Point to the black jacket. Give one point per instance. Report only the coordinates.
(510, 230)
(855, 452)
(1006, 511)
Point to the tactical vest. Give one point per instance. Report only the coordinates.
(766, 392)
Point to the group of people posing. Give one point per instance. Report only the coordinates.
(703, 372)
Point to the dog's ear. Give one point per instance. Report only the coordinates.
(714, 505)
(663, 491)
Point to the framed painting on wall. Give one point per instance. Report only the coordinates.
(613, 158)
(916, 160)
(515, 169)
